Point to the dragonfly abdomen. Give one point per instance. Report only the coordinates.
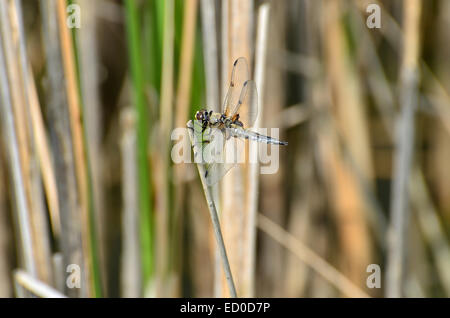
(252, 135)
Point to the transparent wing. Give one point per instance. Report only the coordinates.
(239, 75)
(215, 172)
(247, 105)
(216, 151)
(233, 153)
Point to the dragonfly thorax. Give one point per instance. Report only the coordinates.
(217, 120)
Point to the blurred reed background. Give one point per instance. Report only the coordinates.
(86, 175)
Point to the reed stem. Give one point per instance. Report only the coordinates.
(214, 216)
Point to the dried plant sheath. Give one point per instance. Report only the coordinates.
(214, 217)
(11, 141)
(58, 117)
(37, 287)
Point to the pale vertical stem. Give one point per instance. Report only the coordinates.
(186, 62)
(43, 152)
(41, 239)
(224, 82)
(404, 141)
(270, 264)
(212, 83)
(260, 67)
(225, 54)
(214, 216)
(234, 192)
(130, 260)
(21, 203)
(19, 115)
(166, 106)
(17, 98)
(14, 55)
(90, 90)
(210, 53)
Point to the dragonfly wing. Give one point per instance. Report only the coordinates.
(225, 152)
(239, 75)
(215, 172)
(210, 150)
(247, 104)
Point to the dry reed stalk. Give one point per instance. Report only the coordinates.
(131, 279)
(38, 210)
(59, 123)
(213, 214)
(235, 184)
(5, 236)
(302, 227)
(252, 203)
(212, 84)
(162, 152)
(404, 141)
(210, 53)
(17, 97)
(346, 197)
(43, 152)
(440, 159)
(15, 166)
(223, 87)
(182, 105)
(14, 48)
(309, 257)
(348, 108)
(306, 202)
(76, 126)
(271, 261)
(186, 62)
(93, 124)
(202, 245)
(78, 139)
(35, 286)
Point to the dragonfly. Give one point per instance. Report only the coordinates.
(240, 104)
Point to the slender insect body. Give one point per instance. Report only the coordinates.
(239, 132)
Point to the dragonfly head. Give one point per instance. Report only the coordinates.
(202, 115)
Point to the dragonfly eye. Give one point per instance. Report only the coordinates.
(199, 115)
(206, 115)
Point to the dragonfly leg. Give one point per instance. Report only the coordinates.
(205, 125)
